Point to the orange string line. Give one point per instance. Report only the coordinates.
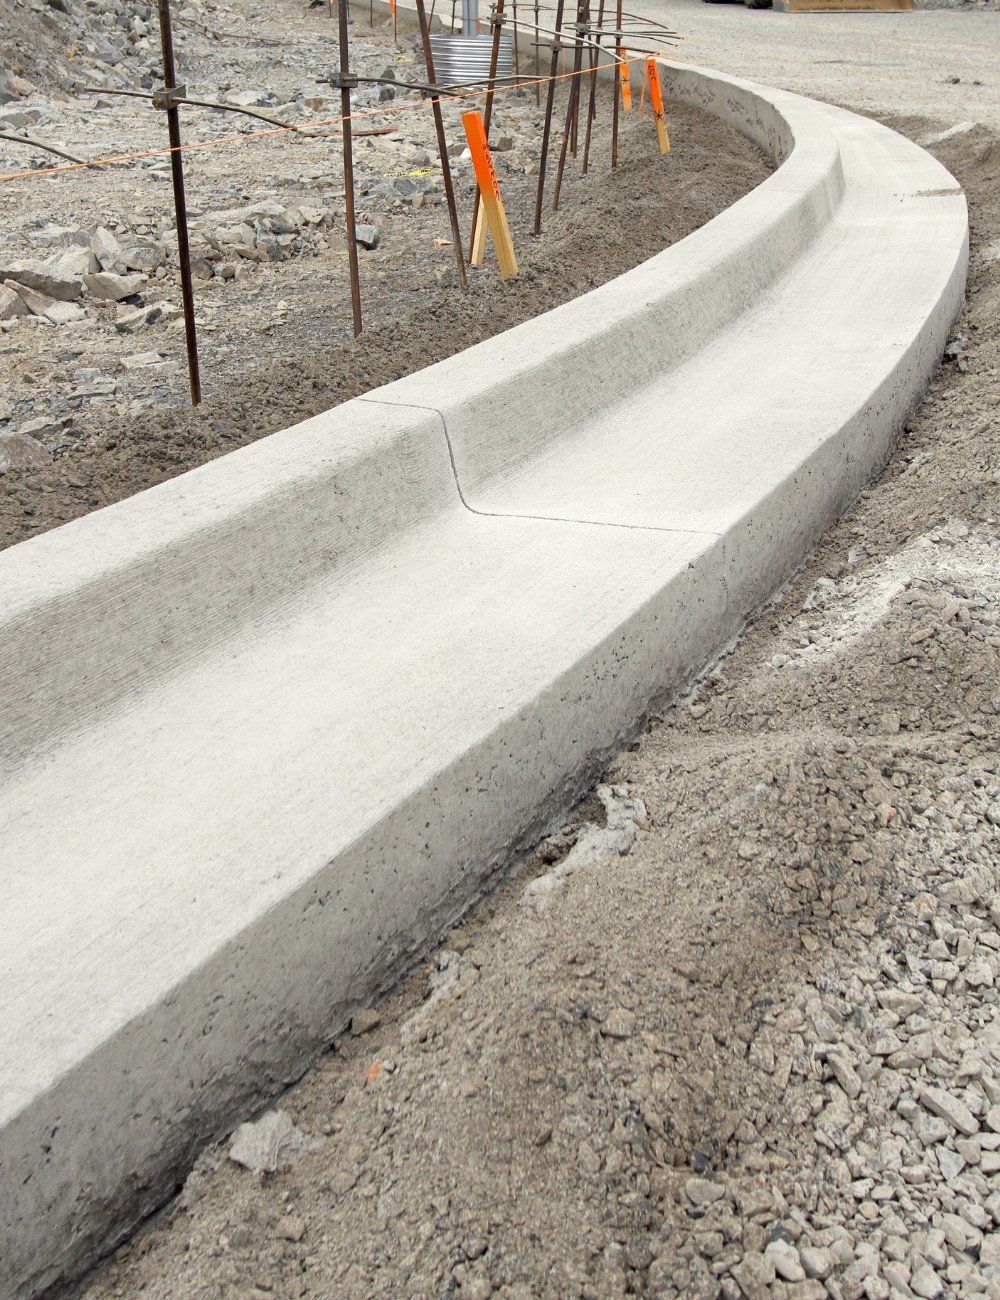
(476, 93)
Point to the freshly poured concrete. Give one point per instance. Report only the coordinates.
(270, 726)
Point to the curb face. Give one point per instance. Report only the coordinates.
(273, 725)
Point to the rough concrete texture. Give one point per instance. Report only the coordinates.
(323, 686)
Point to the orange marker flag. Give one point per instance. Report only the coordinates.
(492, 205)
(626, 83)
(656, 99)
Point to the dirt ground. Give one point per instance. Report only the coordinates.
(734, 1031)
(106, 408)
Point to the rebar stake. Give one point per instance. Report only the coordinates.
(180, 204)
(538, 64)
(547, 127)
(595, 52)
(618, 85)
(449, 189)
(573, 104)
(345, 113)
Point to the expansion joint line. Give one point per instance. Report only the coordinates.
(516, 514)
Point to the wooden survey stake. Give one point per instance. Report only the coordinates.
(626, 77)
(492, 205)
(656, 100)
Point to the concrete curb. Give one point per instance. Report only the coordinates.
(269, 727)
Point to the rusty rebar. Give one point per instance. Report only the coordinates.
(345, 113)
(538, 63)
(34, 143)
(572, 107)
(449, 189)
(517, 55)
(618, 86)
(180, 203)
(595, 54)
(547, 127)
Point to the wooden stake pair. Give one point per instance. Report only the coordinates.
(492, 216)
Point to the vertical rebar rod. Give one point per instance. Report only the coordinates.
(582, 16)
(572, 106)
(488, 109)
(538, 62)
(618, 85)
(517, 53)
(595, 51)
(547, 127)
(345, 116)
(572, 98)
(449, 189)
(180, 203)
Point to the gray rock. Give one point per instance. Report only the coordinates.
(106, 286)
(845, 1074)
(36, 303)
(701, 1191)
(367, 236)
(925, 1282)
(20, 451)
(754, 1273)
(108, 251)
(12, 304)
(64, 313)
(53, 236)
(41, 427)
(817, 1261)
(268, 1144)
(142, 361)
(44, 279)
(950, 1108)
(131, 322)
(74, 262)
(785, 1258)
(145, 257)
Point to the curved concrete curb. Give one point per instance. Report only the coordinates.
(270, 726)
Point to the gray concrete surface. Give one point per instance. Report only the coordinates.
(273, 724)
(877, 63)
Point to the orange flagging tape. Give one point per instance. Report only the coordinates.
(656, 100)
(626, 79)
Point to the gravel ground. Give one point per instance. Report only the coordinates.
(734, 1029)
(95, 407)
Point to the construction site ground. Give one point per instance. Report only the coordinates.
(734, 1029)
(96, 407)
